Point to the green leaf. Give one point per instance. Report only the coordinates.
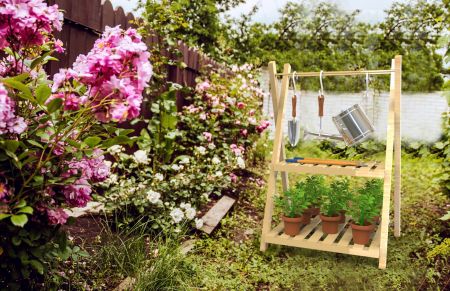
(54, 105)
(42, 93)
(4, 215)
(92, 141)
(16, 240)
(19, 220)
(37, 266)
(446, 216)
(12, 145)
(22, 203)
(35, 143)
(19, 86)
(26, 209)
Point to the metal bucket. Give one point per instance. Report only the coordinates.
(353, 125)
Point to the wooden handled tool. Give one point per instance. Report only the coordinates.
(294, 106)
(330, 162)
(321, 100)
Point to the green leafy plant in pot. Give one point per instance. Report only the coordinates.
(333, 201)
(315, 188)
(292, 204)
(365, 206)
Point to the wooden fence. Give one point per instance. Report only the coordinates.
(84, 21)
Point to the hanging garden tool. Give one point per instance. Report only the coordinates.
(353, 124)
(321, 101)
(294, 124)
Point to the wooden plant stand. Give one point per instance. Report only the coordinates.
(311, 235)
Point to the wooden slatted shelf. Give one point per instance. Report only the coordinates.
(312, 237)
(372, 169)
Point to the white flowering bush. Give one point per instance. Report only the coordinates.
(185, 158)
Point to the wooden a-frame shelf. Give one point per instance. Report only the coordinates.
(311, 235)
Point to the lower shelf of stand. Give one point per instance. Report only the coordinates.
(312, 237)
(372, 169)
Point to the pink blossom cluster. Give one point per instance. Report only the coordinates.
(94, 169)
(262, 126)
(25, 23)
(9, 122)
(116, 71)
(57, 216)
(237, 150)
(202, 87)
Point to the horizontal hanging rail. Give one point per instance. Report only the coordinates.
(339, 73)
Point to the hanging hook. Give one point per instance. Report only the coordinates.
(293, 82)
(321, 82)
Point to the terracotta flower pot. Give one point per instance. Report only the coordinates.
(361, 233)
(342, 213)
(330, 224)
(292, 225)
(306, 216)
(314, 211)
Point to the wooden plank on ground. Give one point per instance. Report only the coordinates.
(212, 218)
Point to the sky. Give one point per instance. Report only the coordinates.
(372, 11)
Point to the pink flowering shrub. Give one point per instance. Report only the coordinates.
(52, 133)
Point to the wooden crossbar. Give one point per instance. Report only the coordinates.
(379, 242)
(338, 73)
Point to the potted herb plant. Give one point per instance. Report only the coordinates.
(315, 188)
(292, 203)
(365, 206)
(332, 202)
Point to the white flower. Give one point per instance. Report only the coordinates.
(177, 167)
(198, 223)
(201, 150)
(240, 162)
(153, 196)
(141, 157)
(159, 176)
(185, 205)
(215, 160)
(107, 163)
(115, 149)
(190, 213)
(184, 160)
(211, 146)
(218, 174)
(113, 178)
(177, 215)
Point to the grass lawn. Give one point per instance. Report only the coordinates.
(230, 258)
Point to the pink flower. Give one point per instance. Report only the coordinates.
(262, 126)
(241, 105)
(207, 136)
(78, 194)
(9, 122)
(25, 23)
(59, 46)
(57, 216)
(116, 71)
(202, 87)
(202, 116)
(233, 177)
(244, 132)
(94, 169)
(251, 112)
(237, 150)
